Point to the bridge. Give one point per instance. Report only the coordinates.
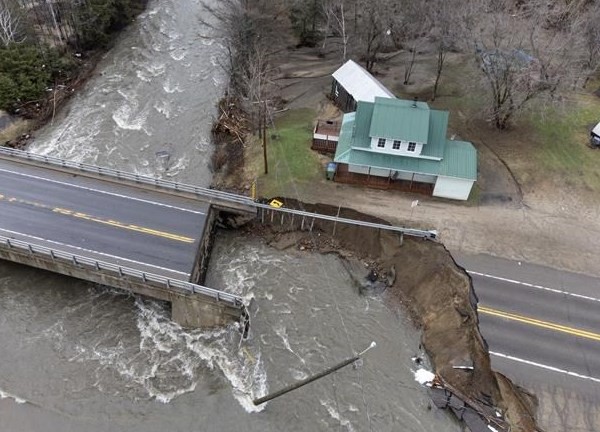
(142, 234)
(147, 235)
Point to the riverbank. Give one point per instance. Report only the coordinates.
(78, 64)
(421, 278)
(428, 284)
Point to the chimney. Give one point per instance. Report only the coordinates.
(414, 105)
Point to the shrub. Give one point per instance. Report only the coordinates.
(26, 73)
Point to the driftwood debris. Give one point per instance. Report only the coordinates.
(232, 120)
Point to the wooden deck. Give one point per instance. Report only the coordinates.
(342, 175)
(325, 136)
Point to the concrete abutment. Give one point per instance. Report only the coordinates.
(189, 309)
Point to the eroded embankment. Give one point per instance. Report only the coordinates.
(437, 293)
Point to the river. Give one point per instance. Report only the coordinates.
(75, 356)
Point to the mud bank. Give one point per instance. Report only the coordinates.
(423, 278)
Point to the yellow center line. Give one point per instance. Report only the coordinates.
(539, 323)
(122, 225)
(110, 222)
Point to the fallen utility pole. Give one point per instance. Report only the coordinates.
(305, 381)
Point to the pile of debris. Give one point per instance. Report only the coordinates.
(229, 135)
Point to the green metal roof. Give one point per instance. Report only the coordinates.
(438, 125)
(400, 119)
(459, 158)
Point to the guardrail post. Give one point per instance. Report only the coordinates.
(30, 249)
(120, 271)
(302, 224)
(144, 277)
(218, 297)
(312, 223)
(169, 283)
(282, 216)
(74, 260)
(97, 266)
(336, 220)
(8, 243)
(52, 255)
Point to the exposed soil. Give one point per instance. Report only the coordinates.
(428, 284)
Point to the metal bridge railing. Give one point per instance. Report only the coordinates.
(77, 260)
(124, 175)
(427, 234)
(201, 192)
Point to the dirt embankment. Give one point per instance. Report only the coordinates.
(436, 292)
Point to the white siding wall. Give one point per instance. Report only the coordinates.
(449, 187)
(359, 169)
(402, 175)
(380, 172)
(389, 147)
(424, 178)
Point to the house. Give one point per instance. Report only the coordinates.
(396, 143)
(352, 84)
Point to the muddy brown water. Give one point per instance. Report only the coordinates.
(75, 356)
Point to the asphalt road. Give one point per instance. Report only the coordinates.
(141, 229)
(543, 329)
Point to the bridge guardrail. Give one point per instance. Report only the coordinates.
(124, 175)
(428, 234)
(201, 191)
(219, 296)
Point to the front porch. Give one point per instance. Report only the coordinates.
(343, 175)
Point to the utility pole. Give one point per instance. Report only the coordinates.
(310, 379)
(264, 137)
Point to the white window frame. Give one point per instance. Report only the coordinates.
(413, 145)
(396, 143)
(381, 142)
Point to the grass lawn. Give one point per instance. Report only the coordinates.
(292, 164)
(563, 151)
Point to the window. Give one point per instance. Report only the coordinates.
(411, 147)
(396, 145)
(381, 142)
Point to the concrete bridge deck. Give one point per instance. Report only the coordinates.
(118, 229)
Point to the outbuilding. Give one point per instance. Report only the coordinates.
(352, 83)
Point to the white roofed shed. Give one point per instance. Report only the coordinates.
(352, 83)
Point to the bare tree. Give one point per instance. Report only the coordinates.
(519, 62)
(588, 26)
(372, 28)
(335, 12)
(10, 23)
(444, 16)
(248, 30)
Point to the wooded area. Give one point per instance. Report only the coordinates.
(43, 41)
(525, 49)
